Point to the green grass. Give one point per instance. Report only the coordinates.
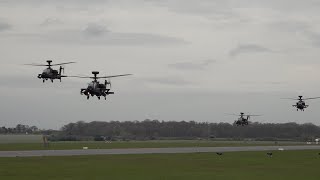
(291, 165)
(135, 144)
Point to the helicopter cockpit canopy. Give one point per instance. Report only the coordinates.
(91, 85)
(47, 71)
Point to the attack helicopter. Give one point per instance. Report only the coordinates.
(242, 120)
(50, 73)
(301, 104)
(95, 88)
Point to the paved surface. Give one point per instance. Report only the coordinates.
(149, 151)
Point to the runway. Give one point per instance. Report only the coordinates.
(37, 153)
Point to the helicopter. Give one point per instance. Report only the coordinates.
(242, 120)
(301, 105)
(50, 73)
(95, 88)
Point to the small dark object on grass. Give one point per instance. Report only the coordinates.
(270, 154)
(219, 153)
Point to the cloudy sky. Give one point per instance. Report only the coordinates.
(191, 59)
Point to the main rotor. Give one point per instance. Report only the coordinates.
(49, 64)
(96, 77)
(242, 114)
(95, 73)
(300, 98)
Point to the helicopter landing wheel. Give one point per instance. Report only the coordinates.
(43, 80)
(99, 97)
(88, 97)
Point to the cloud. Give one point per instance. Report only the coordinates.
(172, 81)
(194, 7)
(216, 11)
(191, 65)
(94, 29)
(32, 82)
(108, 37)
(313, 37)
(290, 26)
(4, 26)
(249, 48)
(97, 34)
(301, 29)
(51, 21)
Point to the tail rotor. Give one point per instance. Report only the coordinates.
(61, 70)
(106, 82)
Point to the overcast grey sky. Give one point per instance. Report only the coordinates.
(191, 59)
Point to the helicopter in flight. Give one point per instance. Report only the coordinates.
(95, 88)
(49, 72)
(242, 120)
(301, 104)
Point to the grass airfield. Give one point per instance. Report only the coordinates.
(236, 165)
(136, 144)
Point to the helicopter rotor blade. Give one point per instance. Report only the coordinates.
(291, 98)
(113, 76)
(81, 76)
(36, 64)
(232, 114)
(311, 98)
(100, 77)
(62, 63)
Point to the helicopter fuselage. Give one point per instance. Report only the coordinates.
(242, 121)
(50, 73)
(300, 105)
(96, 89)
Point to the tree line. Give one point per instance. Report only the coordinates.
(19, 129)
(154, 129)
